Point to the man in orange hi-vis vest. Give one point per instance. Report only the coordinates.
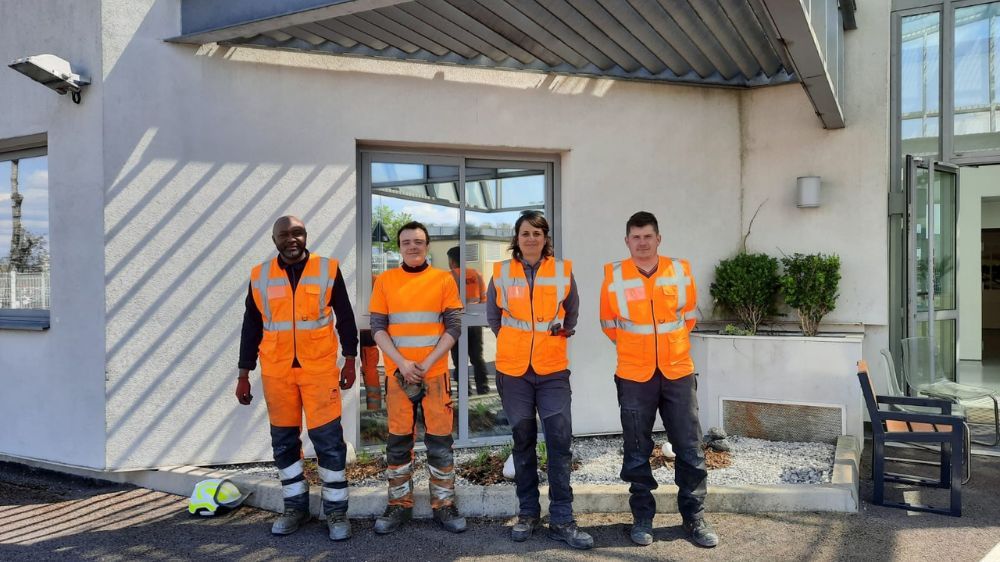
(416, 317)
(647, 311)
(290, 308)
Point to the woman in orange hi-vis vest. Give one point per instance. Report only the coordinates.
(532, 307)
(416, 316)
(647, 311)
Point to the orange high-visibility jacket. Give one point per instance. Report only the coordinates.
(649, 319)
(414, 303)
(475, 290)
(525, 338)
(296, 324)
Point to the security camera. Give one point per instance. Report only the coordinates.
(53, 72)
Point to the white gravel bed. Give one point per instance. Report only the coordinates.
(754, 462)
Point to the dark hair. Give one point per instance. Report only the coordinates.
(537, 220)
(453, 254)
(413, 225)
(641, 219)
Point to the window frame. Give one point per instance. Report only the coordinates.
(29, 319)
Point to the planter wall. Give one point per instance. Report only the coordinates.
(780, 387)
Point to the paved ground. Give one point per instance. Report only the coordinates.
(46, 516)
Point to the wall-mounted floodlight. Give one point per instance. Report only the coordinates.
(53, 72)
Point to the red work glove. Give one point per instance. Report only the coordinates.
(243, 391)
(347, 374)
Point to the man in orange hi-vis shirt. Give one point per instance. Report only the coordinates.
(647, 311)
(416, 317)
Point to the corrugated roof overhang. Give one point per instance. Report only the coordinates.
(721, 43)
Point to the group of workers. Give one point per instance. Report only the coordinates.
(647, 303)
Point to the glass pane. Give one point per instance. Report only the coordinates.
(945, 347)
(921, 254)
(919, 86)
(945, 246)
(976, 77)
(401, 193)
(24, 233)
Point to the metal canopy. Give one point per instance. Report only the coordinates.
(724, 43)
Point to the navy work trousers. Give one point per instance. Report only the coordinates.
(677, 402)
(549, 396)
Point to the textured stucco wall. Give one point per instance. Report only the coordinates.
(52, 402)
(782, 141)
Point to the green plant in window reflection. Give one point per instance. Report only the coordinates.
(942, 267)
(391, 221)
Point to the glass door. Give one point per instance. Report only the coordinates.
(469, 206)
(932, 232)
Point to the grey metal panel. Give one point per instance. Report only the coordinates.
(473, 26)
(377, 32)
(427, 30)
(277, 35)
(537, 32)
(711, 13)
(458, 33)
(406, 33)
(591, 33)
(534, 10)
(328, 34)
(752, 33)
(516, 36)
(610, 26)
(641, 30)
(300, 33)
(674, 35)
(353, 34)
(695, 28)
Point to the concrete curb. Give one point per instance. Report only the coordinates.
(841, 495)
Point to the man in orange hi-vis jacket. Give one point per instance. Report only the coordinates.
(416, 316)
(647, 311)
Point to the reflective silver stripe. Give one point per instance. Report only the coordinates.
(262, 283)
(327, 475)
(609, 324)
(634, 328)
(511, 322)
(291, 471)
(561, 282)
(642, 329)
(335, 494)
(400, 471)
(414, 318)
(670, 326)
(441, 474)
(415, 341)
(324, 280)
(313, 324)
(277, 281)
(278, 326)
(443, 493)
(504, 278)
(618, 286)
(680, 281)
(690, 315)
(401, 491)
(295, 488)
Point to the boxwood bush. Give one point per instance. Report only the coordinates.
(809, 285)
(747, 286)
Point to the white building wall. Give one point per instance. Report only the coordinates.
(207, 146)
(52, 401)
(974, 214)
(782, 140)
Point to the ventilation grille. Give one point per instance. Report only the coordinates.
(782, 422)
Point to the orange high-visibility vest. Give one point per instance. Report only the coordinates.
(475, 291)
(414, 303)
(525, 338)
(649, 319)
(296, 324)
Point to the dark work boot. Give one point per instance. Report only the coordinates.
(642, 532)
(525, 526)
(701, 533)
(392, 519)
(571, 535)
(289, 521)
(449, 519)
(339, 526)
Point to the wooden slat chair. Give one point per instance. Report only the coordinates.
(906, 427)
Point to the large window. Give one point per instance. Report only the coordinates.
(469, 206)
(24, 235)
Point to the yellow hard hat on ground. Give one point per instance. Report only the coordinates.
(215, 496)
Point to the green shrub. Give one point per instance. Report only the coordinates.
(734, 330)
(747, 286)
(809, 285)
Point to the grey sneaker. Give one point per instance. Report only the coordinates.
(449, 518)
(642, 532)
(339, 525)
(525, 526)
(289, 521)
(392, 519)
(701, 533)
(571, 535)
